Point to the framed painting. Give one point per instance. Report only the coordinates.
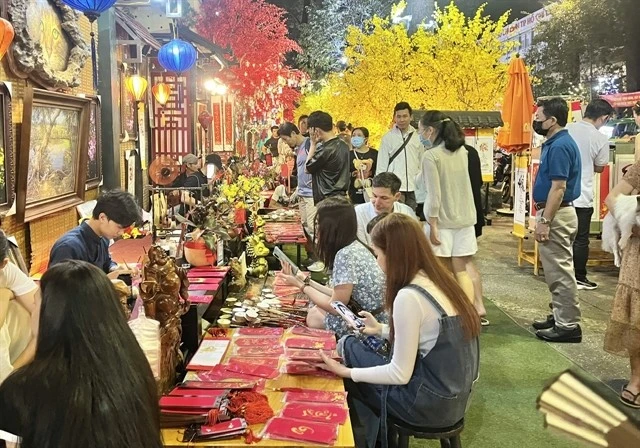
(94, 147)
(53, 153)
(7, 171)
(127, 111)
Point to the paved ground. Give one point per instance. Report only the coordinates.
(524, 298)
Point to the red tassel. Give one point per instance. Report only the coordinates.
(250, 437)
(213, 417)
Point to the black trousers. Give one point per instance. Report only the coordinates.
(581, 244)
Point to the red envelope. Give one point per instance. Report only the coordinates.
(220, 372)
(315, 396)
(189, 403)
(311, 343)
(266, 331)
(325, 413)
(219, 384)
(259, 351)
(191, 275)
(281, 428)
(231, 426)
(257, 342)
(210, 269)
(186, 392)
(200, 299)
(302, 368)
(308, 355)
(198, 280)
(306, 331)
(246, 368)
(269, 362)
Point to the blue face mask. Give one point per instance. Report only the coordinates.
(357, 142)
(427, 143)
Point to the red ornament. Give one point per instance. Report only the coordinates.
(205, 119)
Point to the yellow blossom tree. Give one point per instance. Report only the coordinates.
(457, 67)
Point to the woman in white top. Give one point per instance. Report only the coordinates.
(18, 320)
(449, 207)
(434, 330)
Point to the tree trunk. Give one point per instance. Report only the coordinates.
(305, 11)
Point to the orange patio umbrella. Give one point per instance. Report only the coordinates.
(517, 109)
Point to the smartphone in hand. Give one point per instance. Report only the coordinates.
(348, 315)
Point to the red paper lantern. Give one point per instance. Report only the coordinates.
(6, 36)
(205, 119)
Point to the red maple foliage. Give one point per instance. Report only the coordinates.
(256, 33)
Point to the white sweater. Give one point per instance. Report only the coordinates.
(448, 187)
(405, 168)
(366, 212)
(417, 325)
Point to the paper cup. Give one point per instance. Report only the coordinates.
(224, 323)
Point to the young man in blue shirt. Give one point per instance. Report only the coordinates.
(114, 212)
(557, 186)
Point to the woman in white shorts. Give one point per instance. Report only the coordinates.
(449, 208)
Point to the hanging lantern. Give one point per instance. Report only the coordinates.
(161, 92)
(137, 86)
(205, 119)
(177, 56)
(6, 36)
(92, 10)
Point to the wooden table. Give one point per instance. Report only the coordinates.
(173, 437)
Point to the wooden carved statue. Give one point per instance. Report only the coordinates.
(164, 291)
(123, 291)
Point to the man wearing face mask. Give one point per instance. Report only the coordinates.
(328, 159)
(557, 186)
(362, 163)
(594, 151)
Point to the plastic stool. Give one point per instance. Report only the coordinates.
(448, 437)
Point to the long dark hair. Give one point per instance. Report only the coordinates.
(89, 384)
(407, 252)
(447, 130)
(336, 227)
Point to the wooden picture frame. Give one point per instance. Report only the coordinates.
(53, 153)
(127, 110)
(94, 146)
(7, 166)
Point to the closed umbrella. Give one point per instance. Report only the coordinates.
(517, 109)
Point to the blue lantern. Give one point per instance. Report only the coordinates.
(90, 8)
(177, 56)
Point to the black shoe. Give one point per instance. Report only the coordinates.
(585, 284)
(549, 322)
(557, 334)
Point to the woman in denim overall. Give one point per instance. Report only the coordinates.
(428, 381)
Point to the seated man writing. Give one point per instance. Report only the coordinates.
(114, 212)
(385, 199)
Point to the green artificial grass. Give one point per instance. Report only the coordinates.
(514, 368)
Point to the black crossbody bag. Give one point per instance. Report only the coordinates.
(397, 153)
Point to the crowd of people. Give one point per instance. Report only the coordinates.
(395, 229)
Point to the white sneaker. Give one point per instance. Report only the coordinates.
(318, 266)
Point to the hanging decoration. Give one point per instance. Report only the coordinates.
(205, 119)
(162, 93)
(92, 10)
(137, 86)
(6, 36)
(177, 56)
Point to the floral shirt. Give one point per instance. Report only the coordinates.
(355, 265)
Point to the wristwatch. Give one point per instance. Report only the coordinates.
(545, 221)
(306, 282)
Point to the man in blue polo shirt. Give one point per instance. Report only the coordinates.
(557, 186)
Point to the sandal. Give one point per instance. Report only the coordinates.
(484, 322)
(633, 403)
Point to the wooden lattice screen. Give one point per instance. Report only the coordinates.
(172, 134)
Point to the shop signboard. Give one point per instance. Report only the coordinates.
(482, 140)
